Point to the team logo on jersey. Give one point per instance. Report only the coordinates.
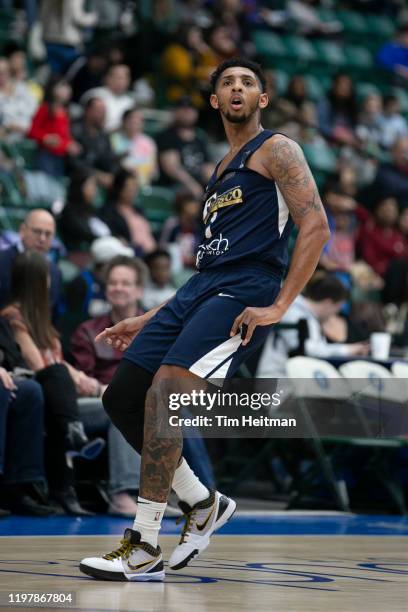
(217, 246)
(228, 198)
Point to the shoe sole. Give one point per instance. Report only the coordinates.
(228, 514)
(102, 574)
(99, 574)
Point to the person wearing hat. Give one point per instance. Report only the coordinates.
(183, 151)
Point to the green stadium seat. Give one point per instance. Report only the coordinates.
(9, 192)
(353, 22)
(358, 57)
(300, 49)
(403, 97)
(316, 87)
(381, 26)
(330, 53)
(281, 80)
(269, 44)
(22, 153)
(365, 89)
(11, 218)
(156, 203)
(320, 157)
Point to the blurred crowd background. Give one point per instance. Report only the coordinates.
(107, 141)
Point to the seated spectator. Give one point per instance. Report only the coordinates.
(393, 55)
(21, 445)
(369, 125)
(136, 150)
(393, 125)
(87, 72)
(29, 317)
(17, 106)
(392, 176)
(159, 287)
(85, 294)
(95, 154)
(124, 288)
(183, 232)
(324, 297)
(78, 224)
(36, 233)
(17, 59)
(123, 219)
(183, 151)
(62, 23)
(115, 94)
(337, 113)
(51, 129)
(308, 20)
(379, 240)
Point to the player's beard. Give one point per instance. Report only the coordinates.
(243, 118)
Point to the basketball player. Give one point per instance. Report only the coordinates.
(215, 320)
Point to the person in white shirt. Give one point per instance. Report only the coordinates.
(393, 124)
(115, 95)
(324, 297)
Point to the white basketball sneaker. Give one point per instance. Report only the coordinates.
(201, 521)
(133, 560)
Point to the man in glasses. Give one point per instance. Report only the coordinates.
(37, 232)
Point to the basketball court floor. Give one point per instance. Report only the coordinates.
(263, 561)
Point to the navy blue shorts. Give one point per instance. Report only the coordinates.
(193, 329)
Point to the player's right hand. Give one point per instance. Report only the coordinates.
(121, 335)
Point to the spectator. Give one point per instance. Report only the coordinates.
(51, 129)
(96, 154)
(337, 113)
(379, 239)
(115, 95)
(393, 55)
(393, 124)
(324, 297)
(123, 219)
(85, 295)
(392, 176)
(369, 125)
(78, 223)
(36, 233)
(124, 288)
(137, 151)
(308, 21)
(17, 105)
(29, 317)
(17, 59)
(62, 25)
(183, 151)
(21, 445)
(87, 72)
(159, 287)
(183, 232)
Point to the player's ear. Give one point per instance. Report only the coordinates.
(214, 101)
(263, 100)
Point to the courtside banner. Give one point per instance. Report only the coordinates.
(281, 408)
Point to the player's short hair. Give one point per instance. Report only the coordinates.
(234, 63)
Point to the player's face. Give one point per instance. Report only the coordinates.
(238, 95)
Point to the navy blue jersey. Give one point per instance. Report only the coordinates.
(245, 216)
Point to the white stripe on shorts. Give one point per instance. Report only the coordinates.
(217, 356)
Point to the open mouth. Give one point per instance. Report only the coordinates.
(236, 102)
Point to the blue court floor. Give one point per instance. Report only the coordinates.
(244, 523)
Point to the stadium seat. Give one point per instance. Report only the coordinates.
(300, 49)
(353, 23)
(358, 58)
(269, 45)
(157, 205)
(320, 157)
(330, 53)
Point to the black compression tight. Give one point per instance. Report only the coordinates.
(124, 401)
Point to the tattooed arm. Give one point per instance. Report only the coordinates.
(287, 165)
(283, 161)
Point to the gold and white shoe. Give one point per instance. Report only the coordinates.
(133, 560)
(201, 521)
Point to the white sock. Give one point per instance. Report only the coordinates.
(148, 519)
(187, 486)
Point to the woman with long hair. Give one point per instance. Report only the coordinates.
(124, 220)
(78, 223)
(30, 318)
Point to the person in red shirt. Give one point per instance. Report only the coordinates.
(379, 239)
(51, 129)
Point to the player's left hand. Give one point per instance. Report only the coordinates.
(251, 317)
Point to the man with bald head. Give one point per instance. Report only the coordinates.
(36, 233)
